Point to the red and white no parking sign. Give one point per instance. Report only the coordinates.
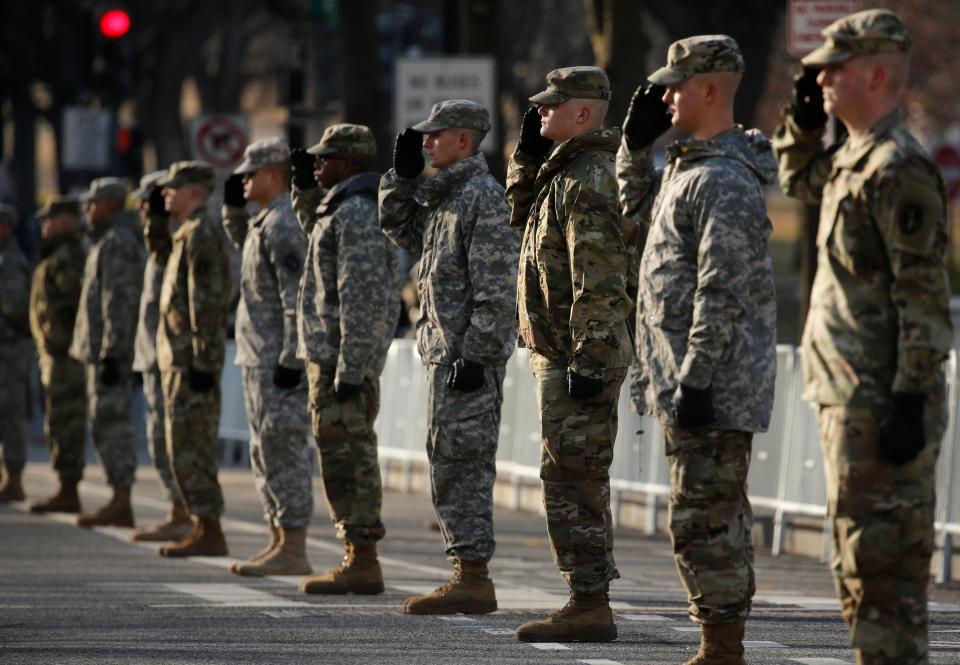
(219, 140)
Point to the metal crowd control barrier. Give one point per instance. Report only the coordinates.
(786, 470)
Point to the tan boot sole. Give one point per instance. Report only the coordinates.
(177, 553)
(475, 608)
(593, 634)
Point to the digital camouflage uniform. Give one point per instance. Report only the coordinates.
(456, 220)
(272, 247)
(572, 308)
(105, 328)
(878, 324)
(194, 299)
(54, 298)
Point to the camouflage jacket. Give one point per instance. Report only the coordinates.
(112, 278)
(273, 247)
(55, 294)
(14, 294)
(195, 297)
(572, 300)
(879, 317)
(157, 238)
(349, 299)
(707, 313)
(456, 221)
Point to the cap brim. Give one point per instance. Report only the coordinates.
(667, 76)
(246, 166)
(825, 55)
(427, 127)
(142, 193)
(322, 150)
(548, 98)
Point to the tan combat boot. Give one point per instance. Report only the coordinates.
(206, 539)
(274, 543)
(66, 500)
(12, 489)
(720, 644)
(177, 525)
(358, 573)
(586, 618)
(289, 558)
(117, 512)
(469, 590)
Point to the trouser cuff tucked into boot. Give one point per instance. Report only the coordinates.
(469, 591)
(287, 558)
(585, 618)
(358, 573)
(720, 644)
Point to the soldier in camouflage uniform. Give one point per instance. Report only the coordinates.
(14, 355)
(456, 221)
(103, 338)
(54, 298)
(878, 329)
(572, 307)
(706, 326)
(155, 223)
(273, 247)
(191, 343)
(346, 313)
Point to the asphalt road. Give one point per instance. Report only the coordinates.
(70, 595)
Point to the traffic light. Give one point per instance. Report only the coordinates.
(114, 23)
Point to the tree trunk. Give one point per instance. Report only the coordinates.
(620, 47)
(362, 102)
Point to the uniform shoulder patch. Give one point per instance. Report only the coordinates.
(910, 217)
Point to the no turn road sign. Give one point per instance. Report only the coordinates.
(219, 140)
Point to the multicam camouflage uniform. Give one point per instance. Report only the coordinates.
(456, 221)
(572, 306)
(878, 324)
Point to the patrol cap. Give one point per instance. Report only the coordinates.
(8, 214)
(264, 153)
(346, 139)
(147, 183)
(574, 83)
(190, 172)
(701, 54)
(459, 113)
(59, 205)
(863, 33)
(106, 188)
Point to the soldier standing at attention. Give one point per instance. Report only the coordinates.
(275, 391)
(706, 319)
(456, 221)
(878, 329)
(572, 308)
(54, 298)
(346, 313)
(103, 339)
(191, 342)
(14, 356)
(154, 219)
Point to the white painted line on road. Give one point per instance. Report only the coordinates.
(549, 646)
(763, 644)
(644, 617)
(500, 631)
(294, 614)
(599, 661)
(821, 661)
(803, 602)
(687, 629)
(458, 619)
(234, 595)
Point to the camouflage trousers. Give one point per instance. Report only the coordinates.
(348, 456)
(463, 429)
(280, 454)
(64, 415)
(156, 432)
(881, 518)
(14, 384)
(192, 419)
(112, 425)
(575, 455)
(711, 521)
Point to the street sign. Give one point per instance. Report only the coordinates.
(806, 18)
(947, 157)
(219, 140)
(422, 82)
(87, 139)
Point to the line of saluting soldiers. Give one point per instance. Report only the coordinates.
(684, 250)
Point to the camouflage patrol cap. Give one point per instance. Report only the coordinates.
(702, 54)
(106, 188)
(459, 113)
(264, 153)
(346, 139)
(147, 183)
(191, 172)
(59, 205)
(574, 83)
(8, 214)
(863, 33)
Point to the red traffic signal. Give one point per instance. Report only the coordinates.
(114, 23)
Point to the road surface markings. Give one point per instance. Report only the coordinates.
(644, 617)
(599, 661)
(549, 646)
(821, 661)
(233, 595)
(763, 644)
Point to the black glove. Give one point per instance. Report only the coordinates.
(647, 116)
(301, 169)
(692, 407)
(156, 203)
(408, 153)
(900, 435)
(233, 191)
(286, 377)
(532, 141)
(465, 375)
(201, 381)
(582, 387)
(346, 391)
(807, 104)
(109, 371)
